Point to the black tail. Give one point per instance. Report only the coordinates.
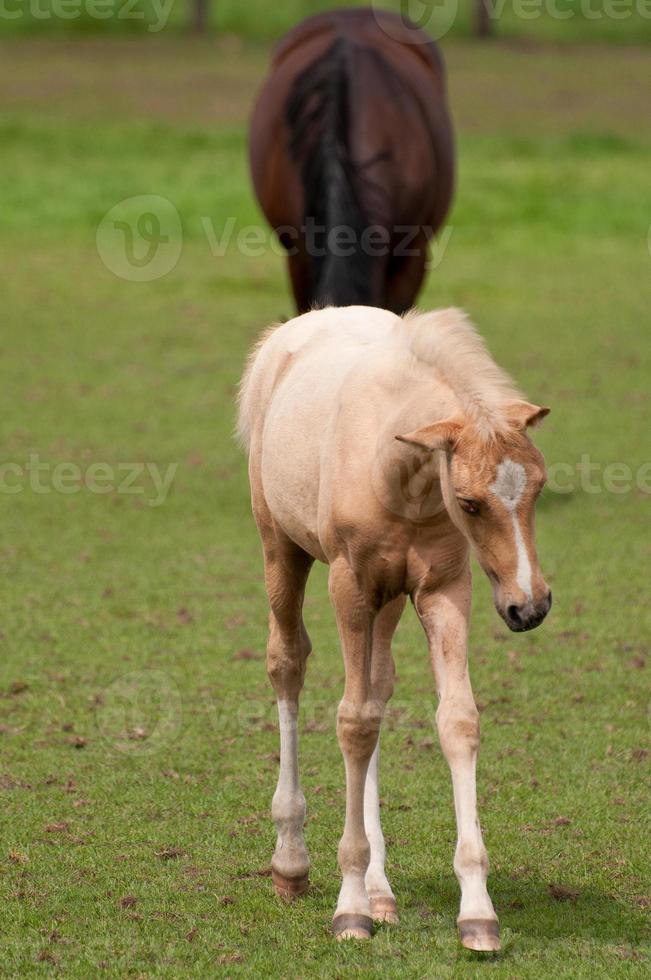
(318, 115)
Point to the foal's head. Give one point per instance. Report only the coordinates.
(490, 487)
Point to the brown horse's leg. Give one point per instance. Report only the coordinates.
(358, 725)
(383, 903)
(444, 616)
(286, 571)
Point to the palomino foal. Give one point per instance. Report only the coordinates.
(390, 449)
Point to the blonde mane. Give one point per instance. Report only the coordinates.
(442, 343)
(447, 341)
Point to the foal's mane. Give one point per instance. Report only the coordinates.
(447, 341)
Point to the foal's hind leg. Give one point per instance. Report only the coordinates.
(286, 571)
(358, 725)
(383, 903)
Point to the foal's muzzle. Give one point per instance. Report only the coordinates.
(528, 616)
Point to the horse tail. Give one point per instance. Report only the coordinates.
(318, 115)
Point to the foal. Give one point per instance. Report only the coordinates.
(388, 448)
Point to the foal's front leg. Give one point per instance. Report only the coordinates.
(358, 724)
(383, 903)
(444, 615)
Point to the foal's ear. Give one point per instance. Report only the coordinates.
(523, 416)
(439, 435)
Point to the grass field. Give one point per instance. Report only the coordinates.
(137, 727)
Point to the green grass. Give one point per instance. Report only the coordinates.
(138, 740)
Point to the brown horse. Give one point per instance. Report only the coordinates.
(352, 157)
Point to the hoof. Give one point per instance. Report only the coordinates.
(352, 926)
(482, 935)
(289, 888)
(384, 909)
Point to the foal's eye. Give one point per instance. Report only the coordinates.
(469, 506)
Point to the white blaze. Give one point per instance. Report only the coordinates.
(510, 481)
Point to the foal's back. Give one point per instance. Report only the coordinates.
(312, 352)
(299, 398)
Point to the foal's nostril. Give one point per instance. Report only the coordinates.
(513, 614)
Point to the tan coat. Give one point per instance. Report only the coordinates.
(388, 448)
